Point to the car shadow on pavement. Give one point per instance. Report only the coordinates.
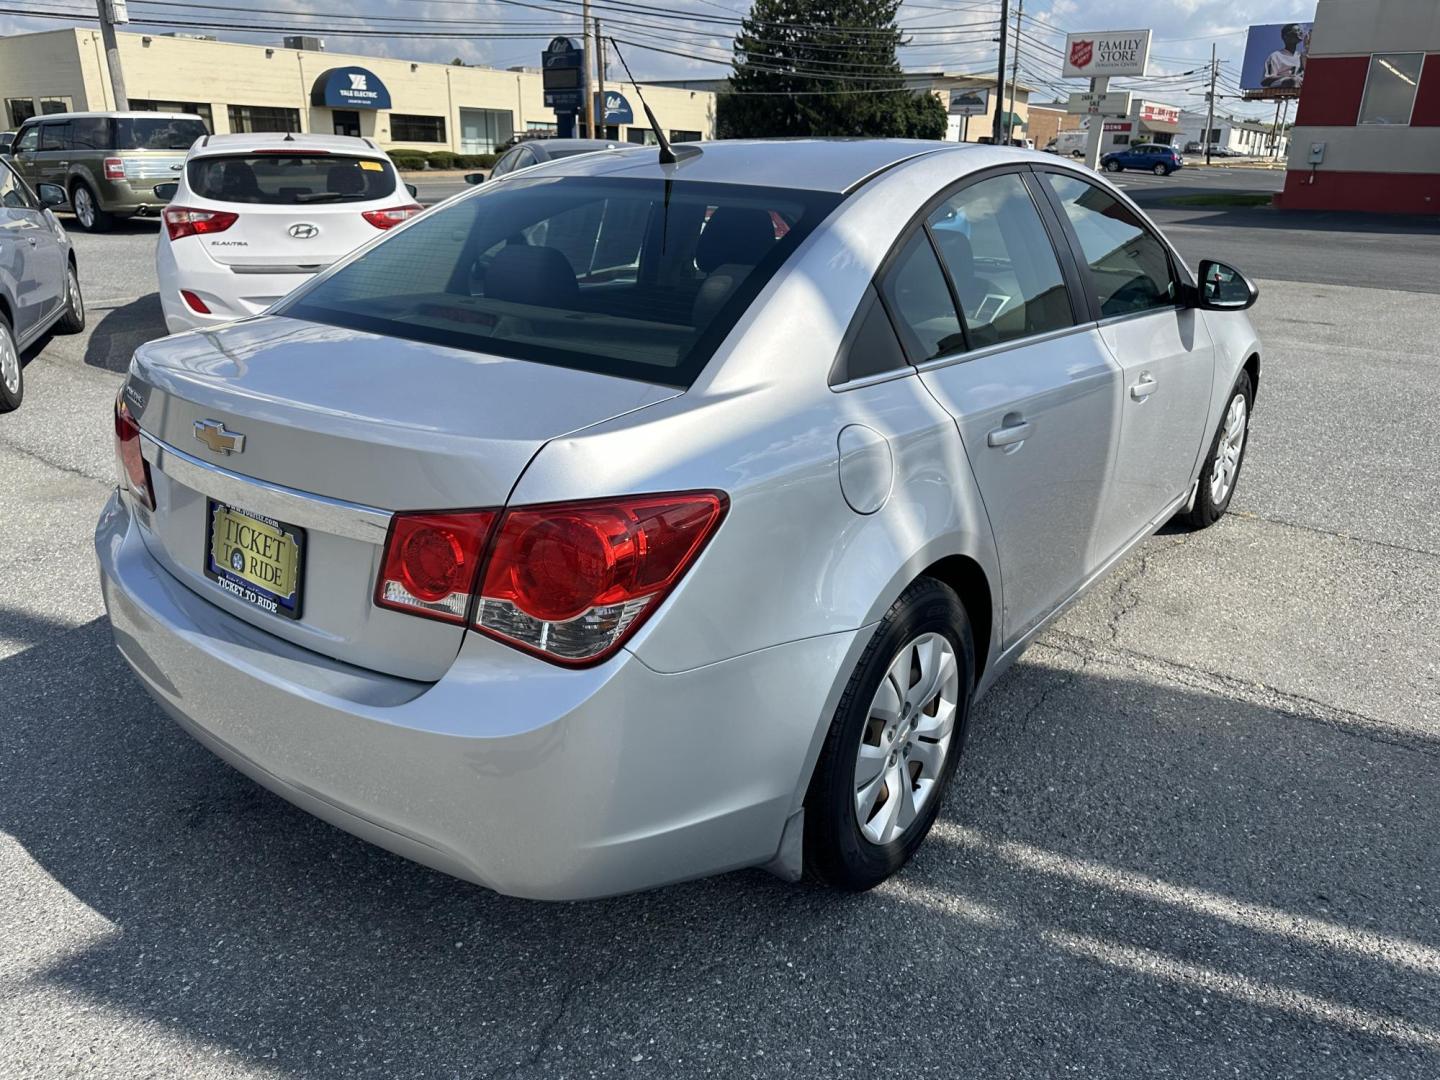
(121, 330)
(1131, 878)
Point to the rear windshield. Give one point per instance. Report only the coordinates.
(290, 179)
(637, 278)
(158, 133)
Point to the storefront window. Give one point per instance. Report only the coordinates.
(252, 118)
(195, 108)
(49, 106)
(1390, 88)
(407, 128)
(482, 131)
(685, 136)
(20, 110)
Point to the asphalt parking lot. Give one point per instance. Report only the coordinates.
(1194, 833)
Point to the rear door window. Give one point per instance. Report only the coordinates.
(637, 278)
(90, 133)
(290, 179)
(1004, 269)
(158, 133)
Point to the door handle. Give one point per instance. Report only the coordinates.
(1144, 387)
(1010, 434)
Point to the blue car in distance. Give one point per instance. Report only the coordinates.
(1152, 157)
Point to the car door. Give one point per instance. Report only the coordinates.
(25, 154)
(1163, 346)
(30, 255)
(52, 163)
(983, 299)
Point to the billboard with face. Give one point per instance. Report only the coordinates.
(1275, 59)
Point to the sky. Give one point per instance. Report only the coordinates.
(691, 38)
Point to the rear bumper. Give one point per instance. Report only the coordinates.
(228, 295)
(532, 780)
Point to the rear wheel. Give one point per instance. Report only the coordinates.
(73, 321)
(12, 376)
(894, 742)
(86, 205)
(1161, 170)
(1221, 472)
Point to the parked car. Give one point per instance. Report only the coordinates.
(1152, 157)
(531, 152)
(1194, 148)
(6, 139)
(107, 163)
(253, 216)
(626, 522)
(39, 281)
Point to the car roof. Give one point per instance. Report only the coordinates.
(571, 146)
(836, 165)
(134, 115)
(274, 140)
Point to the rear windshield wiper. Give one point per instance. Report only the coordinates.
(331, 196)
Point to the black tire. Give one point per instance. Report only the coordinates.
(836, 851)
(1113, 166)
(10, 396)
(1208, 509)
(73, 321)
(90, 218)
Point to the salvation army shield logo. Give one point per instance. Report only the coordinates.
(1081, 53)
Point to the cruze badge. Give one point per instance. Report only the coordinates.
(220, 440)
(304, 231)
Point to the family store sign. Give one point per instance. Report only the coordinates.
(1115, 52)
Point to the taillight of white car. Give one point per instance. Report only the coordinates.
(182, 221)
(569, 582)
(391, 216)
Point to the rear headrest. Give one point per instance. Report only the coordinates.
(344, 179)
(237, 180)
(959, 255)
(735, 234)
(532, 275)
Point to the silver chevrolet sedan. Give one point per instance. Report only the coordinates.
(622, 521)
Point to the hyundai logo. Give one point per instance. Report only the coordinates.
(304, 231)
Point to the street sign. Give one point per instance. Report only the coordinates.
(969, 102)
(1113, 104)
(1113, 52)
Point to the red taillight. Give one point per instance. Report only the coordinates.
(182, 221)
(432, 562)
(114, 169)
(388, 219)
(569, 582)
(194, 302)
(134, 469)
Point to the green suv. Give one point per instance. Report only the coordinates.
(108, 163)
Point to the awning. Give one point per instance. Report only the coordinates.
(1160, 127)
(1009, 119)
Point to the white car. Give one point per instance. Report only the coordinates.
(253, 216)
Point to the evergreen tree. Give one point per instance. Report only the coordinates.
(823, 67)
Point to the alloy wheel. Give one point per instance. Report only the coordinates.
(9, 363)
(1227, 454)
(75, 299)
(84, 206)
(907, 738)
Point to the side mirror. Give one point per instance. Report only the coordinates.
(166, 192)
(1223, 288)
(474, 177)
(413, 190)
(51, 195)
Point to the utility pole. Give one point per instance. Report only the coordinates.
(112, 12)
(997, 128)
(585, 68)
(1014, 72)
(600, 76)
(1210, 120)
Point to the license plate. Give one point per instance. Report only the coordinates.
(256, 559)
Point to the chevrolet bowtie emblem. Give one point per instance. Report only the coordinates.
(214, 435)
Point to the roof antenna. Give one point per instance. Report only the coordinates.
(667, 155)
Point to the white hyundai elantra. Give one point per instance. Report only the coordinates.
(253, 216)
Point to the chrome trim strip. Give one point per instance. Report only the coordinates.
(873, 380)
(1005, 346)
(280, 268)
(285, 504)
